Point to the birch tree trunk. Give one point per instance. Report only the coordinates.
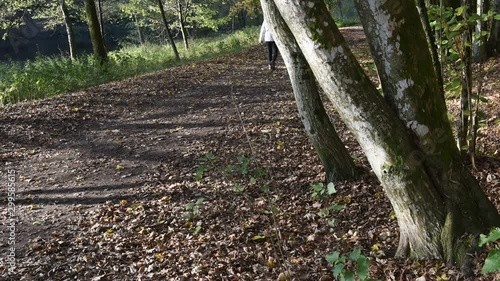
(181, 25)
(95, 31)
(167, 29)
(398, 137)
(139, 30)
(480, 54)
(335, 158)
(69, 29)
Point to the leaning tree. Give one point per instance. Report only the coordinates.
(405, 133)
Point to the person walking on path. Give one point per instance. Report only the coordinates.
(272, 49)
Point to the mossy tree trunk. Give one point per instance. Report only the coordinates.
(69, 29)
(405, 135)
(167, 29)
(336, 160)
(95, 30)
(411, 88)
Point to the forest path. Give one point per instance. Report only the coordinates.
(99, 170)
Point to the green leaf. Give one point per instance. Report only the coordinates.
(332, 258)
(258, 237)
(336, 207)
(317, 187)
(197, 229)
(211, 156)
(323, 213)
(237, 187)
(460, 10)
(337, 269)
(229, 168)
(354, 255)
(331, 188)
(264, 188)
(456, 27)
(492, 262)
(492, 237)
(199, 173)
(348, 276)
(252, 181)
(363, 267)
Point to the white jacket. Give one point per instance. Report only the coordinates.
(265, 34)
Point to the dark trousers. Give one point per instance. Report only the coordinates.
(272, 52)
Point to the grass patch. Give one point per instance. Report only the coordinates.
(347, 22)
(49, 76)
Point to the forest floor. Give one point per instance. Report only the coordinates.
(109, 183)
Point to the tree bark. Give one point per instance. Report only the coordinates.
(181, 25)
(167, 29)
(101, 22)
(435, 221)
(480, 52)
(335, 158)
(494, 40)
(95, 31)
(139, 30)
(466, 81)
(69, 29)
(429, 34)
(419, 103)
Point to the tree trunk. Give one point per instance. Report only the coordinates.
(69, 29)
(466, 81)
(480, 44)
(341, 12)
(101, 22)
(435, 208)
(419, 102)
(95, 31)
(243, 18)
(494, 40)
(335, 158)
(181, 25)
(422, 10)
(167, 29)
(139, 30)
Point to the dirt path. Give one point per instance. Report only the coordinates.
(106, 172)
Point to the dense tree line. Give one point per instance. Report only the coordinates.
(153, 20)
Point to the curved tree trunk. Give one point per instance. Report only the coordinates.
(167, 29)
(335, 158)
(431, 212)
(69, 29)
(419, 103)
(95, 31)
